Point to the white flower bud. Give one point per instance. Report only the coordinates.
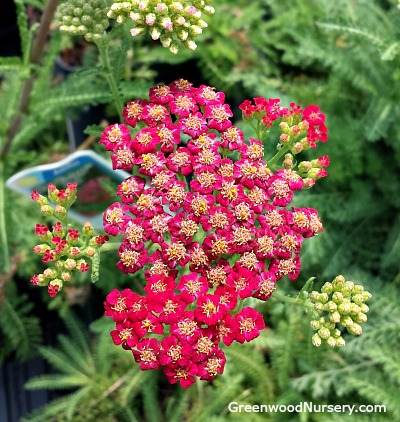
(137, 31)
(166, 40)
(155, 33)
(174, 48)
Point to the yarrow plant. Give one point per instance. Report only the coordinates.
(206, 218)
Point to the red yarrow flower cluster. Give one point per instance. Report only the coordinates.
(207, 219)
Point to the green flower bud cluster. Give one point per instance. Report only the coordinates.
(339, 303)
(64, 249)
(83, 17)
(173, 22)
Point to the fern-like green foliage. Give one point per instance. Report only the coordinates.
(20, 331)
(98, 376)
(367, 369)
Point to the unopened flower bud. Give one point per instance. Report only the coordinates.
(358, 289)
(89, 251)
(347, 288)
(202, 24)
(337, 297)
(284, 138)
(354, 329)
(338, 283)
(304, 125)
(294, 131)
(331, 306)
(288, 161)
(358, 299)
(315, 324)
(174, 48)
(69, 264)
(167, 24)
(316, 340)
(297, 148)
(355, 309)
(318, 306)
(155, 33)
(66, 276)
(344, 308)
(209, 10)
(308, 182)
(190, 44)
(334, 317)
(284, 127)
(139, 30)
(59, 265)
(60, 211)
(136, 17)
(323, 297)
(183, 34)
(161, 8)
(340, 342)
(150, 19)
(347, 321)
(331, 342)
(336, 333)
(121, 19)
(304, 166)
(360, 318)
(314, 295)
(364, 308)
(367, 296)
(165, 40)
(46, 210)
(324, 333)
(50, 273)
(330, 325)
(195, 30)
(88, 229)
(175, 7)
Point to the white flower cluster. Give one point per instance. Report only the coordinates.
(172, 22)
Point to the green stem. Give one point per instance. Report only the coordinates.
(3, 231)
(306, 304)
(112, 246)
(256, 129)
(102, 45)
(271, 162)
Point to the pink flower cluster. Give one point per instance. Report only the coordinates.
(206, 218)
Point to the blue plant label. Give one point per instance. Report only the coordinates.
(89, 170)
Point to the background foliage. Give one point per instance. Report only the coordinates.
(343, 56)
